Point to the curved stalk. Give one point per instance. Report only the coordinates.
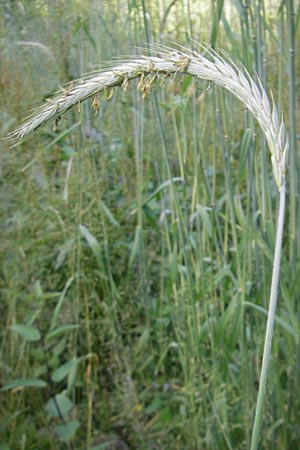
(271, 319)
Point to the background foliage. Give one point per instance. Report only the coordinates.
(137, 244)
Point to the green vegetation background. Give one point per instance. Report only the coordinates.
(137, 244)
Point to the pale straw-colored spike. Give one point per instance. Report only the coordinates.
(274, 112)
(216, 68)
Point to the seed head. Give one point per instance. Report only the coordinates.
(217, 68)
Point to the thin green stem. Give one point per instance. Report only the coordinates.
(271, 319)
(293, 178)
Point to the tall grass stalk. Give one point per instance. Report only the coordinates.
(270, 322)
(222, 71)
(293, 179)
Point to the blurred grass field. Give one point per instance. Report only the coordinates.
(137, 244)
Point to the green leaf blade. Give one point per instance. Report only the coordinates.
(29, 333)
(24, 383)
